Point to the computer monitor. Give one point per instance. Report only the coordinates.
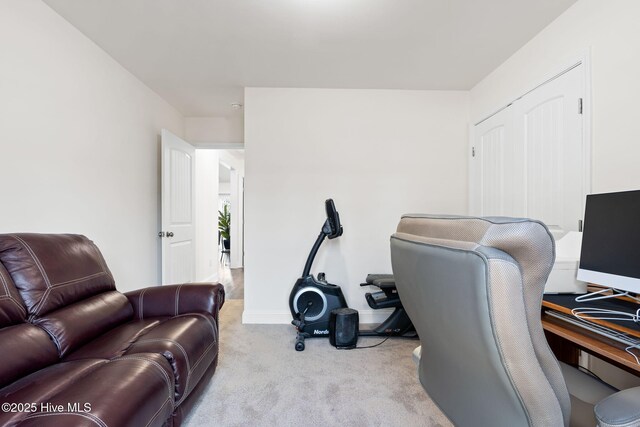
(610, 254)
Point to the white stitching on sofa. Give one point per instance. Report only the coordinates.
(170, 383)
(209, 321)
(177, 297)
(187, 388)
(48, 292)
(35, 259)
(5, 285)
(89, 416)
(202, 356)
(140, 305)
(10, 297)
(74, 281)
(158, 412)
(36, 308)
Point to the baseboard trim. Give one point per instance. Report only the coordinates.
(281, 318)
(266, 317)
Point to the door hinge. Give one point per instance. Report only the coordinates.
(473, 151)
(579, 105)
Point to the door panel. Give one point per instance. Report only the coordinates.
(492, 158)
(496, 168)
(178, 203)
(551, 126)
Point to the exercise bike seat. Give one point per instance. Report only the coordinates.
(374, 279)
(385, 282)
(387, 297)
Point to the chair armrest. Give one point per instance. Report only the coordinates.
(619, 409)
(172, 300)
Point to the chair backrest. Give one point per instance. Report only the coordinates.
(473, 289)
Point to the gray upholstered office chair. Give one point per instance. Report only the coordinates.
(473, 289)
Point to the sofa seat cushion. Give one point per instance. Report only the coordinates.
(89, 392)
(188, 341)
(25, 349)
(116, 342)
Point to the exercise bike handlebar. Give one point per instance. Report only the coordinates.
(331, 229)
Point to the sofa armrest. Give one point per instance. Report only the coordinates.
(619, 409)
(172, 300)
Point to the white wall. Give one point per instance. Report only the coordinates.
(378, 153)
(80, 142)
(215, 129)
(610, 31)
(224, 188)
(207, 215)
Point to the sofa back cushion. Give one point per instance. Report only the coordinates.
(66, 286)
(12, 309)
(52, 271)
(25, 348)
(77, 324)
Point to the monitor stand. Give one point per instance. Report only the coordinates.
(598, 295)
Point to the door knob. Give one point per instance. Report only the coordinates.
(169, 233)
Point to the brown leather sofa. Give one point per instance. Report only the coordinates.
(76, 352)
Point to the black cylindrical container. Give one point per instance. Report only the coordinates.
(343, 328)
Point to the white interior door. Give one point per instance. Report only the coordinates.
(497, 172)
(530, 158)
(178, 210)
(550, 126)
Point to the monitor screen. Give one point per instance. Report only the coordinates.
(610, 254)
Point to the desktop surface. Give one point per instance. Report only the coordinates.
(567, 335)
(567, 302)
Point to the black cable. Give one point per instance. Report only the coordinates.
(589, 372)
(375, 345)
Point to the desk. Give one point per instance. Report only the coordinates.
(566, 339)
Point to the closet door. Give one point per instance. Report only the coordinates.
(496, 168)
(549, 122)
(531, 159)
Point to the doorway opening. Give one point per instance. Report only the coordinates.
(220, 218)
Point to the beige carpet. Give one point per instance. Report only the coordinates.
(262, 381)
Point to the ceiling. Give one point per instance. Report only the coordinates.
(200, 54)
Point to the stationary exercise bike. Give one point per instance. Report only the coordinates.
(312, 300)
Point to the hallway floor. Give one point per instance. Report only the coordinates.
(233, 281)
